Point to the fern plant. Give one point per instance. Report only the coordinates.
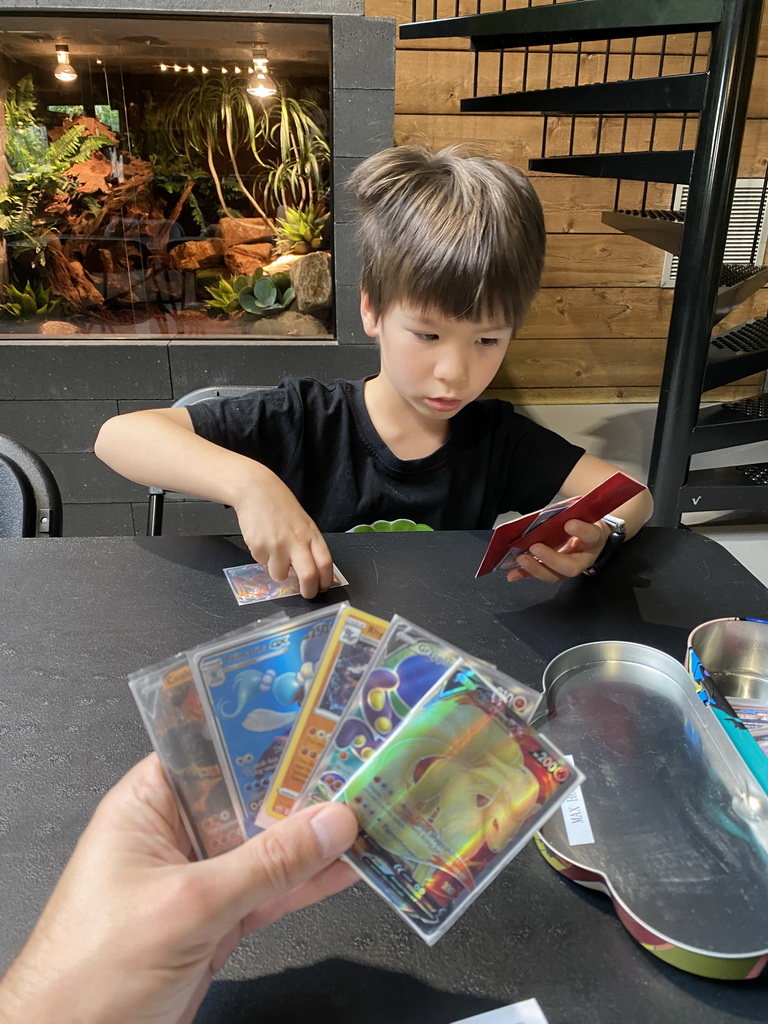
(257, 295)
(38, 180)
(29, 303)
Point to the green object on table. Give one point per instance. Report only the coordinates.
(398, 526)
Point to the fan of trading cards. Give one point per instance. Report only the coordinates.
(431, 748)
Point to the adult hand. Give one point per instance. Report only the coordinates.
(578, 553)
(134, 931)
(280, 534)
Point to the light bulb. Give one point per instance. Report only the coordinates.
(236, 70)
(223, 71)
(190, 68)
(64, 70)
(204, 69)
(98, 61)
(163, 67)
(176, 67)
(261, 85)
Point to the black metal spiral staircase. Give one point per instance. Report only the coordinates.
(706, 289)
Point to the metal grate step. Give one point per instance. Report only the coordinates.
(662, 228)
(572, 22)
(730, 424)
(737, 282)
(731, 487)
(736, 273)
(672, 166)
(672, 94)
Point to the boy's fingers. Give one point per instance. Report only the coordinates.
(279, 565)
(539, 569)
(306, 570)
(285, 856)
(323, 562)
(589, 533)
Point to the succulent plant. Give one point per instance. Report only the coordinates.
(257, 295)
(301, 231)
(29, 303)
(223, 297)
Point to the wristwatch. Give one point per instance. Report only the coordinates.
(611, 547)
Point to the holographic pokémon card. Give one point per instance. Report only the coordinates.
(450, 798)
(252, 685)
(351, 646)
(252, 583)
(407, 664)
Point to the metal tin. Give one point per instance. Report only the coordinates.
(728, 661)
(735, 653)
(678, 824)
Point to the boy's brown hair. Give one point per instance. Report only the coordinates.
(448, 230)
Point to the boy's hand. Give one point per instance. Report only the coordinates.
(280, 534)
(576, 555)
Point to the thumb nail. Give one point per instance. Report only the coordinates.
(331, 827)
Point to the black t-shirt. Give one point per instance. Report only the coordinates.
(319, 439)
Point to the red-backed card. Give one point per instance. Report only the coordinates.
(546, 526)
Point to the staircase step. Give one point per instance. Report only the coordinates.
(723, 426)
(662, 228)
(673, 166)
(730, 487)
(572, 22)
(737, 282)
(671, 94)
(737, 353)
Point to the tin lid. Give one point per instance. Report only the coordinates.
(678, 824)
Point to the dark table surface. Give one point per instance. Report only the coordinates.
(77, 615)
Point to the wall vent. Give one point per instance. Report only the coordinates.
(747, 228)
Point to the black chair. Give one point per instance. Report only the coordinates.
(30, 501)
(157, 494)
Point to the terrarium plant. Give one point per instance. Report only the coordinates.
(257, 295)
(301, 231)
(31, 302)
(298, 175)
(39, 195)
(199, 113)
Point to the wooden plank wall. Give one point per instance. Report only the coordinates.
(597, 330)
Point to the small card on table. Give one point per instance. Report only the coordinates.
(252, 583)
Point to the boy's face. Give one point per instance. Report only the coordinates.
(435, 363)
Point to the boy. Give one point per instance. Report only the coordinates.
(452, 247)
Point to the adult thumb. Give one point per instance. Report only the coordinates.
(277, 860)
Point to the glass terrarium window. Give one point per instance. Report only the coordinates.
(164, 178)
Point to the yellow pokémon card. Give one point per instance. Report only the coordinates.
(350, 648)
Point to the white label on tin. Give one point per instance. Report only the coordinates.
(575, 816)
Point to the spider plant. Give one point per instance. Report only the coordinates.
(297, 177)
(202, 111)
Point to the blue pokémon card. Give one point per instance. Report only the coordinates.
(252, 685)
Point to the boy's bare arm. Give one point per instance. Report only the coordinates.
(587, 539)
(159, 448)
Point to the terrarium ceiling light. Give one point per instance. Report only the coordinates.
(260, 84)
(64, 70)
